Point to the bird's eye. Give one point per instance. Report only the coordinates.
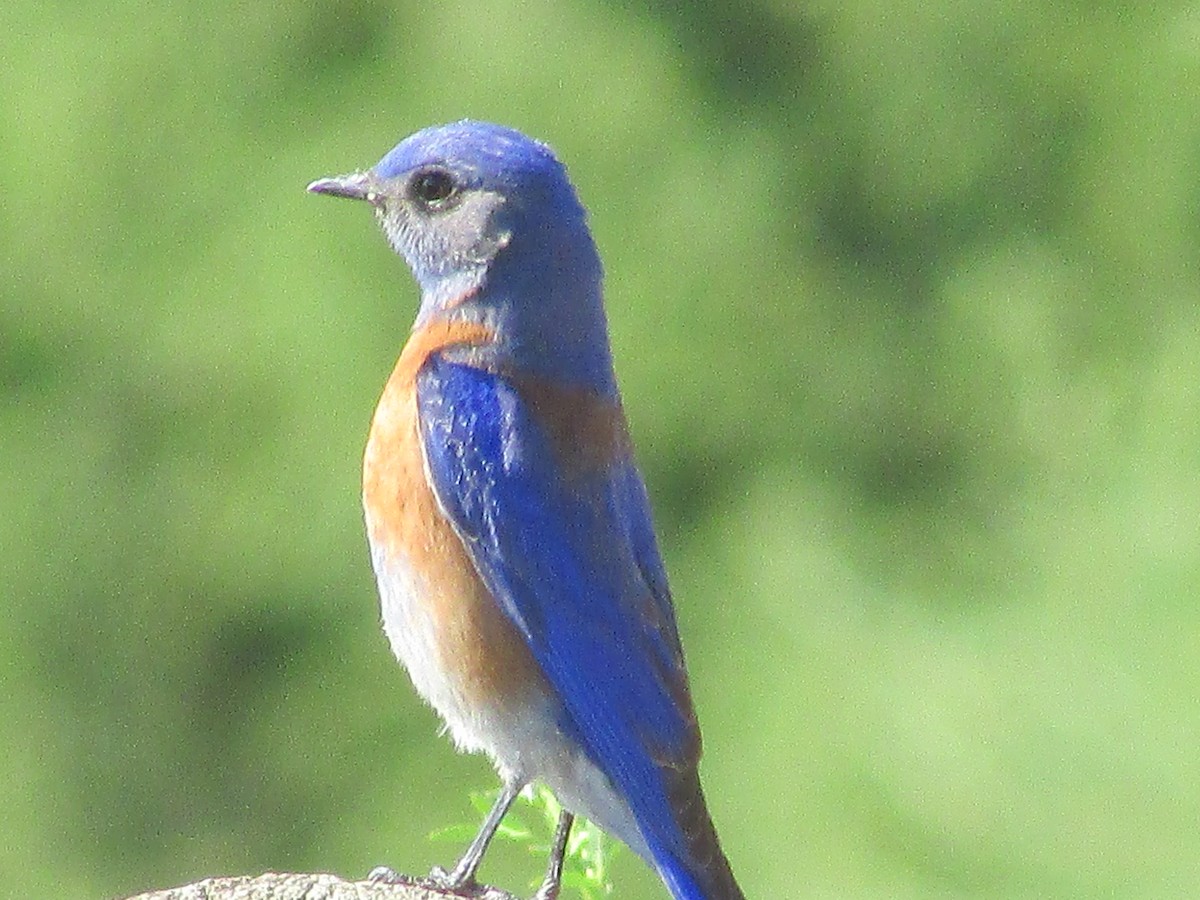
(432, 188)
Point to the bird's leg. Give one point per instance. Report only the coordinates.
(462, 878)
(558, 850)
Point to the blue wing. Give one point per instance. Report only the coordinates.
(564, 542)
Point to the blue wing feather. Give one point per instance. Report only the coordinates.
(572, 559)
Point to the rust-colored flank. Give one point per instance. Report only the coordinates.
(476, 640)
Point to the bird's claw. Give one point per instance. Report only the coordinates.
(452, 881)
(388, 875)
(463, 886)
(444, 882)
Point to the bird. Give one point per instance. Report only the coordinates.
(510, 533)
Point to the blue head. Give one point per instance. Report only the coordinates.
(493, 231)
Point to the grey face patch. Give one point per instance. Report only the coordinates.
(438, 242)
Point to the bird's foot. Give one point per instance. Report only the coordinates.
(463, 885)
(444, 883)
(388, 875)
(455, 882)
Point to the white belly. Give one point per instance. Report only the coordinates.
(520, 733)
(413, 634)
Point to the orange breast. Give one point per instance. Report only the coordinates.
(480, 650)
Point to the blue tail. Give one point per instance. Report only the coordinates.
(706, 874)
(714, 881)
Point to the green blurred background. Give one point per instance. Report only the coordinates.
(904, 299)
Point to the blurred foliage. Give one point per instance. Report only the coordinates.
(904, 299)
(532, 824)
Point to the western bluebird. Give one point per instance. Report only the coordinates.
(510, 533)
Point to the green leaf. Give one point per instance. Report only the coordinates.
(588, 854)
